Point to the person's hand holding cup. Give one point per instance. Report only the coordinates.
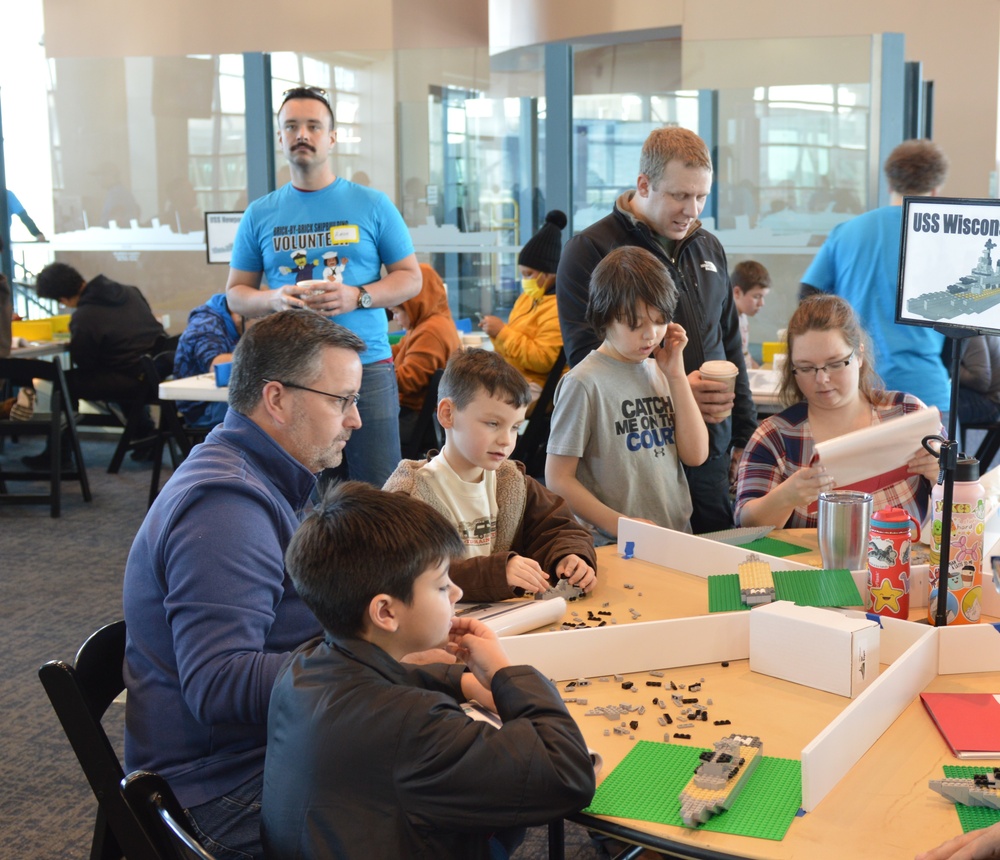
(714, 388)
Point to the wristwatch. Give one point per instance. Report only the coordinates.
(364, 298)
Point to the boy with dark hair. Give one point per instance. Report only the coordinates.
(625, 421)
(751, 284)
(111, 328)
(367, 756)
(517, 534)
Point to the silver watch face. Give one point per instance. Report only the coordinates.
(364, 299)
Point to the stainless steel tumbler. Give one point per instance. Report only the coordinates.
(844, 520)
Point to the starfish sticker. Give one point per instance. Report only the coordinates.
(886, 596)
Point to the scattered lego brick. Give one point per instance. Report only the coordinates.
(661, 721)
(634, 724)
(682, 735)
(690, 701)
(642, 710)
(722, 723)
(627, 685)
(685, 725)
(654, 683)
(725, 664)
(668, 718)
(628, 585)
(656, 673)
(694, 688)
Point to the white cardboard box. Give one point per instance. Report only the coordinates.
(814, 647)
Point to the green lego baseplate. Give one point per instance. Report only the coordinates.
(773, 546)
(646, 784)
(805, 587)
(971, 817)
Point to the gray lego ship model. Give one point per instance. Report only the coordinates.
(980, 789)
(975, 293)
(719, 778)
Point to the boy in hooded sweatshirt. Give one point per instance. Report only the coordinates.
(431, 337)
(210, 337)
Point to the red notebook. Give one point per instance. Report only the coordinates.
(969, 722)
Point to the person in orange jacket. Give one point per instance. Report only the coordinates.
(531, 339)
(431, 337)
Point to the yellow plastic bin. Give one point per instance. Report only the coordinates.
(60, 324)
(771, 348)
(32, 329)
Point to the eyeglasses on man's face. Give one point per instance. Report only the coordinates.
(829, 368)
(346, 400)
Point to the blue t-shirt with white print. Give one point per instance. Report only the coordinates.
(286, 233)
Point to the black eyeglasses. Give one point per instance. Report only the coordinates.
(346, 400)
(829, 368)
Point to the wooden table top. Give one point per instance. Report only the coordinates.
(883, 806)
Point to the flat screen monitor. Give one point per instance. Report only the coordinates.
(949, 264)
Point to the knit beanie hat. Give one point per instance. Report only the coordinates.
(541, 252)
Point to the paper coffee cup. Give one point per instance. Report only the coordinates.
(721, 371)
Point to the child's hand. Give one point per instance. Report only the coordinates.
(478, 647)
(526, 573)
(427, 658)
(577, 571)
(670, 355)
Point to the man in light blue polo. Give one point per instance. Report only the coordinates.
(860, 263)
(315, 213)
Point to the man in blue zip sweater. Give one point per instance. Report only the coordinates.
(211, 613)
(661, 215)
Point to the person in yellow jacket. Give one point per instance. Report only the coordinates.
(431, 337)
(530, 340)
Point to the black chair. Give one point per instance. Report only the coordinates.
(23, 372)
(530, 447)
(424, 435)
(171, 433)
(988, 448)
(80, 695)
(152, 372)
(153, 802)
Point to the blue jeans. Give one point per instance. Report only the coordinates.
(372, 454)
(229, 826)
(213, 413)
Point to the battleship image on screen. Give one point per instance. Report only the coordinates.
(974, 293)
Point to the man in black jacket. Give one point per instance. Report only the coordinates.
(661, 215)
(112, 327)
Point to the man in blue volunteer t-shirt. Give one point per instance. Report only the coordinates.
(859, 262)
(293, 227)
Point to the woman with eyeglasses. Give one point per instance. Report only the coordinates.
(832, 387)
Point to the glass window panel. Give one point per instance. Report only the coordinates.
(232, 96)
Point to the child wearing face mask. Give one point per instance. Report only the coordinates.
(530, 340)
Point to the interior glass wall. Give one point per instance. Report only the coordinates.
(790, 127)
(142, 147)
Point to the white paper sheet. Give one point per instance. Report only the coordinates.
(876, 450)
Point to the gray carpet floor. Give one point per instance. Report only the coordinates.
(60, 579)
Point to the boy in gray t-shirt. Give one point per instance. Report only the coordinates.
(625, 419)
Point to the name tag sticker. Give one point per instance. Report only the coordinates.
(344, 235)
